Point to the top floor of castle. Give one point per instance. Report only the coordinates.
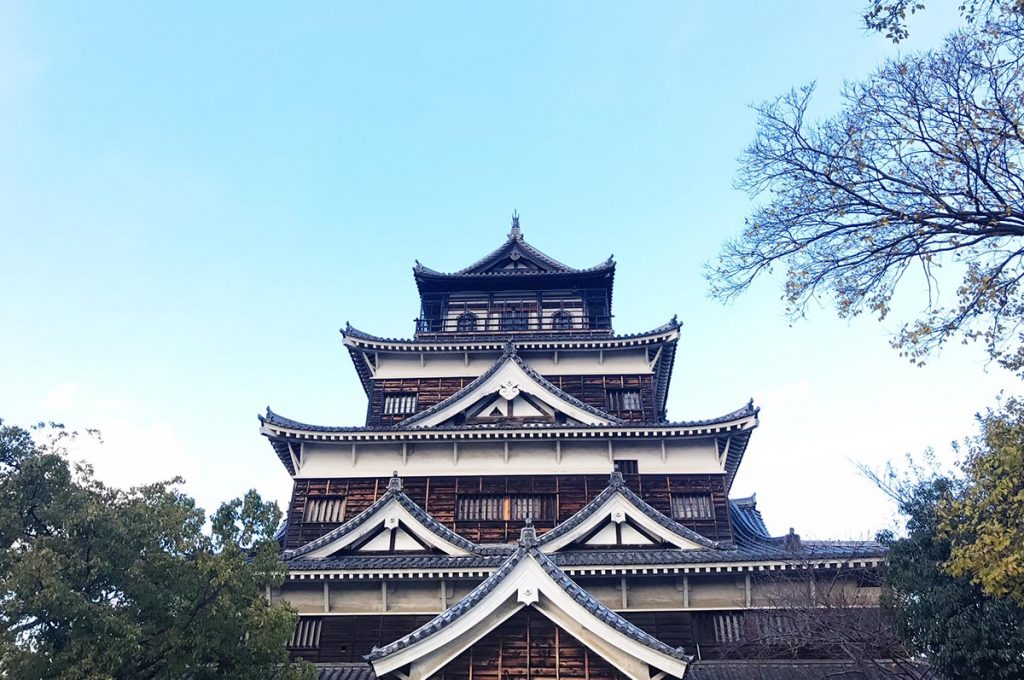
(515, 291)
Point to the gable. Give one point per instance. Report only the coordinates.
(392, 524)
(509, 391)
(527, 580)
(618, 521)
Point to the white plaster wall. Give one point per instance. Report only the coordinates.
(570, 362)
(486, 457)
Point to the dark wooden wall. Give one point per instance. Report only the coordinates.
(438, 496)
(525, 643)
(590, 389)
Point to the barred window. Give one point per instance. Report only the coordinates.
(399, 404)
(514, 320)
(628, 467)
(499, 507)
(531, 507)
(561, 320)
(728, 626)
(466, 322)
(481, 508)
(306, 635)
(624, 400)
(324, 509)
(692, 506)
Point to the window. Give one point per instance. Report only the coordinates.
(514, 320)
(561, 321)
(306, 635)
(466, 322)
(399, 404)
(628, 467)
(499, 507)
(324, 509)
(531, 507)
(624, 400)
(728, 627)
(692, 506)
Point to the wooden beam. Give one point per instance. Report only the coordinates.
(506, 452)
(746, 591)
(664, 452)
(625, 589)
(611, 455)
(405, 453)
(353, 454)
(455, 452)
(558, 451)
(686, 592)
(327, 595)
(384, 595)
(657, 356)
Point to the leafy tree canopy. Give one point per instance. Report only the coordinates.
(962, 631)
(985, 519)
(98, 582)
(920, 169)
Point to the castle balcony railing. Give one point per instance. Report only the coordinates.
(512, 323)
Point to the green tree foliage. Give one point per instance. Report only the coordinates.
(985, 519)
(98, 582)
(962, 631)
(920, 169)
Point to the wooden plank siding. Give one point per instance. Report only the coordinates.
(439, 496)
(528, 645)
(590, 389)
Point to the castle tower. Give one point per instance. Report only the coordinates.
(517, 503)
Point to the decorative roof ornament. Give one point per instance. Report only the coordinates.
(515, 232)
(616, 479)
(395, 483)
(528, 535)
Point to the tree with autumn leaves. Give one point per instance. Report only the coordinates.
(919, 178)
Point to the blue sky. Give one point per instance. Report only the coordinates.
(194, 198)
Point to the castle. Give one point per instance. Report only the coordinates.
(518, 503)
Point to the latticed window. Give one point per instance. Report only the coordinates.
(500, 507)
(515, 320)
(692, 506)
(466, 322)
(624, 400)
(538, 506)
(324, 509)
(562, 320)
(728, 626)
(399, 404)
(306, 635)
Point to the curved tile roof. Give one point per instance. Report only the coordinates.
(350, 331)
(515, 243)
(272, 418)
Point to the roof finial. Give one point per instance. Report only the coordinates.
(395, 483)
(515, 233)
(528, 534)
(616, 477)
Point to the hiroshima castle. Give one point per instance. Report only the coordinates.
(519, 505)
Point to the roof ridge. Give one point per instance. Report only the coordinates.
(515, 240)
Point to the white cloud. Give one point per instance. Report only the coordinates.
(134, 450)
(62, 397)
